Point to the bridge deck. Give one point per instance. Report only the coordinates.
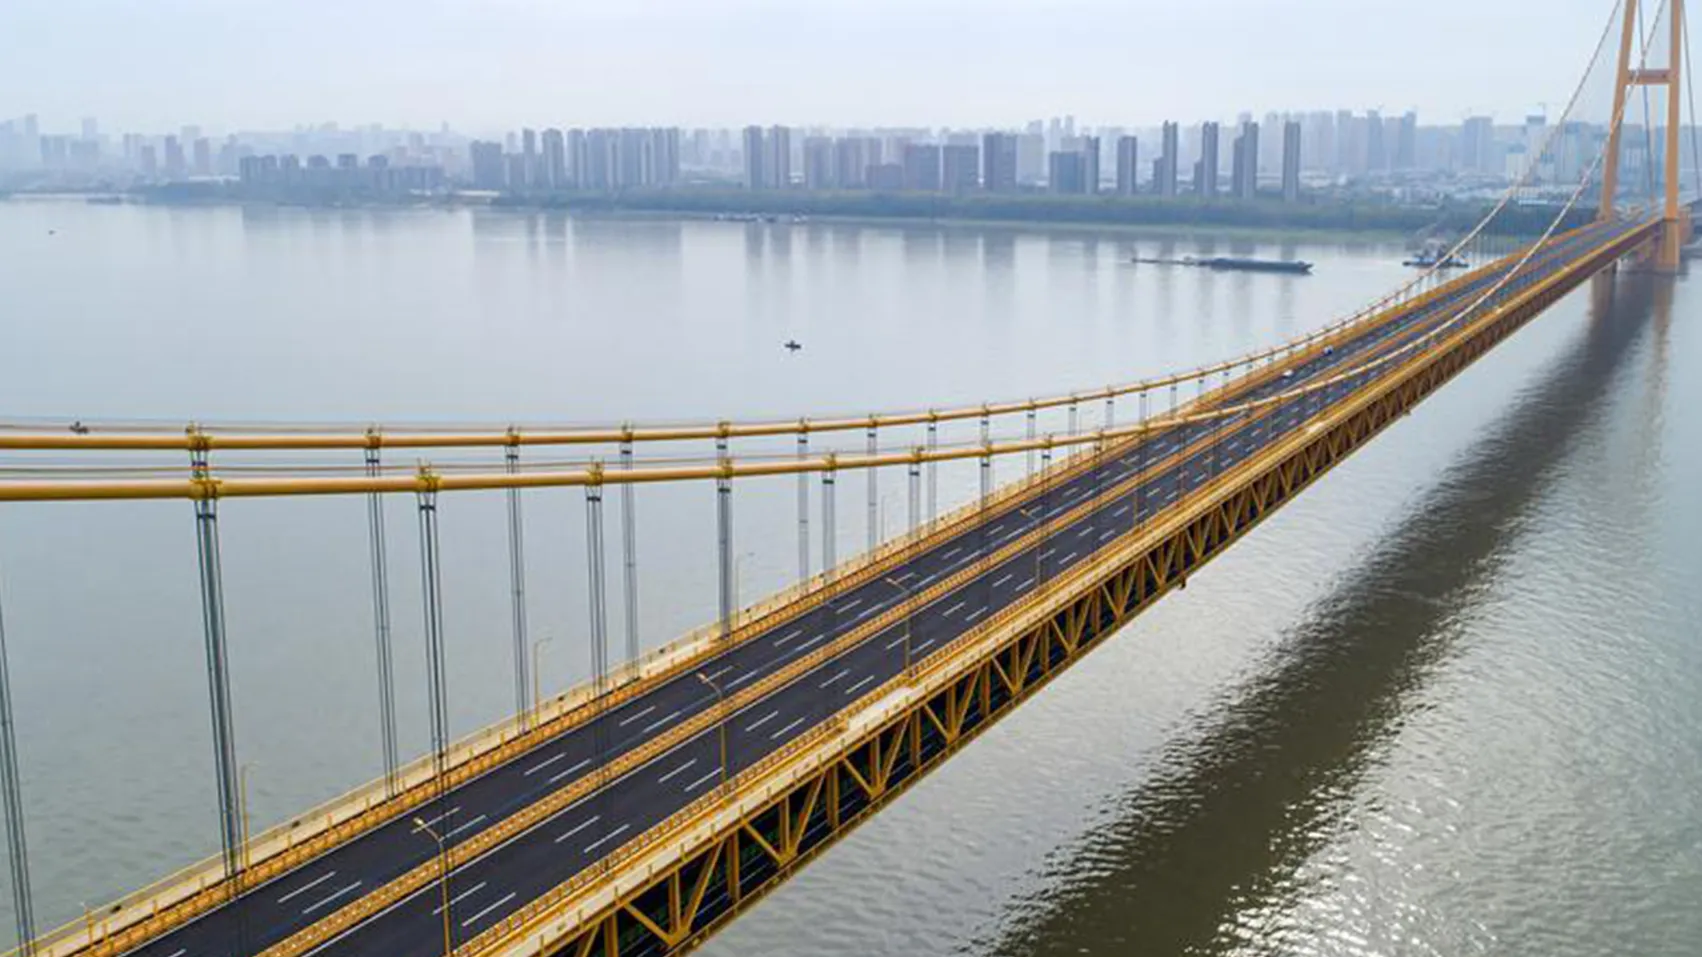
(529, 824)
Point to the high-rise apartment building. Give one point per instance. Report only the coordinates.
(999, 162)
(1291, 161)
(1165, 171)
(1128, 165)
(1205, 169)
(554, 160)
(1090, 152)
(777, 158)
(1066, 172)
(486, 160)
(1246, 173)
(921, 167)
(529, 158)
(819, 172)
(960, 168)
(756, 156)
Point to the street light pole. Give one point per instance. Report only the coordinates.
(720, 705)
(909, 615)
(443, 855)
(537, 699)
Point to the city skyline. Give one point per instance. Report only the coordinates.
(667, 62)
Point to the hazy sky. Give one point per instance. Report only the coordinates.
(494, 64)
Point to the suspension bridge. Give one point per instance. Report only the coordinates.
(639, 813)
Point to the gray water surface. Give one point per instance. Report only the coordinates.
(1448, 702)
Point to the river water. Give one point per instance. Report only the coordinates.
(1447, 702)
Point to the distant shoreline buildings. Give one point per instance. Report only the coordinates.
(1293, 157)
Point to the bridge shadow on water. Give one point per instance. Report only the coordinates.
(1235, 810)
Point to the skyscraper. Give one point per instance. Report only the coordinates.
(999, 162)
(1291, 161)
(1128, 165)
(1376, 146)
(1406, 142)
(1477, 144)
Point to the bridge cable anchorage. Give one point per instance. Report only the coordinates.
(378, 553)
(874, 529)
(11, 792)
(803, 505)
(517, 585)
(217, 650)
(629, 550)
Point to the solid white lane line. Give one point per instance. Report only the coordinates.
(462, 827)
(762, 721)
(777, 735)
(307, 887)
(953, 609)
(606, 838)
(469, 921)
(1000, 581)
(582, 825)
(313, 907)
(661, 721)
(634, 717)
(699, 782)
(458, 898)
(781, 641)
(836, 677)
(534, 769)
(562, 774)
(664, 778)
(853, 688)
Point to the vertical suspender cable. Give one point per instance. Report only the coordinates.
(916, 494)
(1032, 425)
(803, 508)
(11, 791)
(381, 631)
(218, 665)
(629, 553)
(517, 586)
(431, 594)
(597, 585)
